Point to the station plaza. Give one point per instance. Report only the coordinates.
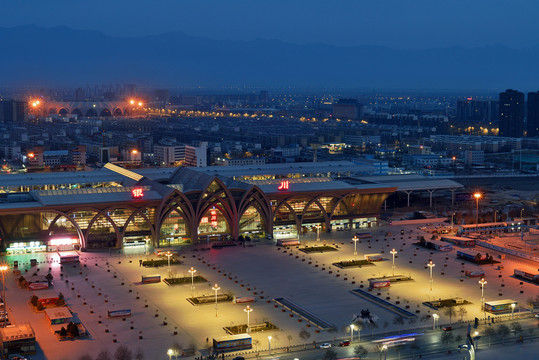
(115, 208)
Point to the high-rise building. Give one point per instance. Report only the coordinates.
(13, 110)
(532, 126)
(477, 110)
(511, 113)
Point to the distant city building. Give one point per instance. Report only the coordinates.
(511, 113)
(242, 162)
(474, 157)
(477, 110)
(418, 150)
(532, 125)
(185, 155)
(35, 157)
(347, 109)
(12, 111)
(78, 155)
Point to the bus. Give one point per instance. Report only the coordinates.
(441, 245)
(68, 256)
(232, 343)
(287, 242)
(527, 275)
(147, 279)
(501, 306)
(471, 255)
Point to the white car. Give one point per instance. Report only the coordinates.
(325, 346)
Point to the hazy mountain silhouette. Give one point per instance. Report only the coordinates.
(63, 56)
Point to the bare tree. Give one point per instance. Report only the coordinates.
(104, 355)
(139, 355)
(462, 312)
(503, 331)
(304, 335)
(360, 351)
(516, 327)
(489, 331)
(123, 353)
(330, 354)
(289, 337)
(450, 311)
(447, 336)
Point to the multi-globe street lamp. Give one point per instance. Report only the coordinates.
(434, 319)
(168, 254)
(482, 282)
(431, 265)
(393, 252)
(317, 232)
(513, 311)
(269, 345)
(248, 309)
(355, 240)
(216, 288)
(351, 332)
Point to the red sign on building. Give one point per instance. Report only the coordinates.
(283, 186)
(137, 193)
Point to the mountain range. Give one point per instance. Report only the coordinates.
(61, 56)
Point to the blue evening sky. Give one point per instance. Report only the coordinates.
(393, 23)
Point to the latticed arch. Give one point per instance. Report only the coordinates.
(311, 209)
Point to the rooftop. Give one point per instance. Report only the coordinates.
(16, 332)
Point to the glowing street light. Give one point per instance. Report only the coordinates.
(132, 102)
(317, 232)
(351, 332)
(434, 319)
(248, 309)
(482, 282)
(192, 271)
(384, 349)
(452, 220)
(168, 254)
(3, 269)
(269, 345)
(512, 309)
(355, 240)
(216, 288)
(170, 352)
(140, 103)
(393, 252)
(477, 196)
(430, 265)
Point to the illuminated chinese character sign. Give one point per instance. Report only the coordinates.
(137, 193)
(213, 218)
(283, 186)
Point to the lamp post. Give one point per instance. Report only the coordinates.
(355, 240)
(216, 288)
(317, 232)
(477, 196)
(3, 269)
(384, 349)
(434, 318)
(351, 332)
(192, 271)
(521, 213)
(169, 353)
(452, 220)
(248, 310)
(482, 282)
(393, 252)
(269, 345)
(168, 255)
(476, 339)
(430, 265)
(513, 311)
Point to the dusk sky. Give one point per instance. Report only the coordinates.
(393, 23)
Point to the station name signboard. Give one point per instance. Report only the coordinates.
(284, 185)
(137, 193)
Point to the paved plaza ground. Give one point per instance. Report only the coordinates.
(264, 269)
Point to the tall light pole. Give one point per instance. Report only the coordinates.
(384, 349)
(216, 288)
(521, 213)
(170, 352)
(3, 269)
(452, 220)
(168, 255)
(351, 332)
(482, 282)
(513, 311)
(269, 345)
(355, 240)
(477, 196)
(248, 310)
(495, 211)
(434, 318)
(192, 271)
(317, 232)
(430, 265)
(393, 252)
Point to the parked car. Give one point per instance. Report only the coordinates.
(344, 343)
(448, 328)
(325, 346)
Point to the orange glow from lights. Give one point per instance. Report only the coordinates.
(31, 155)
(139, 103)
(134, 151)
(477, 195)
(132, 102)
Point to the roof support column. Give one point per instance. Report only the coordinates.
(408, 192)
(430, 196)
(453, 197)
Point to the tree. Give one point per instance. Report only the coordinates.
(256, 342)
(489, 331)
(462, 312)
(516, 327)
(33, 300)
(63, 332)
(139, 355)
(72, 329)
(289, 337)
(449, 311)
(40, 306)
(330, 354)
(503, 331)
(304, 335)
(123, 353)
(360, 351)
(447, 336)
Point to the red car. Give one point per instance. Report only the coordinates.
(448, 328)
(345, 343)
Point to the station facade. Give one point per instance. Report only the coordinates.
(113, 207)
